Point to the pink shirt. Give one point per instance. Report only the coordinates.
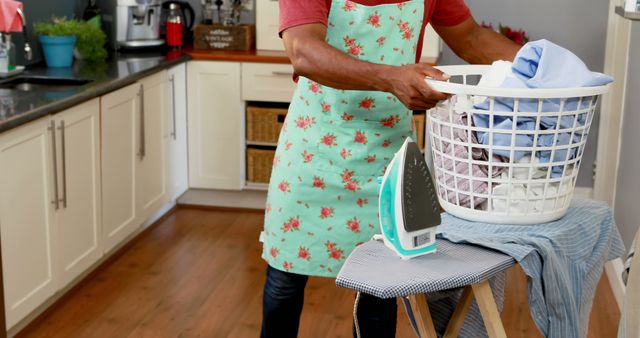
(438, 12)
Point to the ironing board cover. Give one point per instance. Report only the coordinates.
(374, 269)
(563, 260)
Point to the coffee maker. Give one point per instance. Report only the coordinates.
(132, 24)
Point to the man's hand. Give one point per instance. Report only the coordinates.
(408, 84)
(312, 57)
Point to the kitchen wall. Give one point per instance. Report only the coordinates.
(578, 25)
(39, 10)
(627, 213)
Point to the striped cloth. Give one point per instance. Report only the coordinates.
(563, 260)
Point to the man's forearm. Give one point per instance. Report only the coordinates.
(477, 45)
(329, 66)
(488, 46)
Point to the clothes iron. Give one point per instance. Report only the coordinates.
(409, 211)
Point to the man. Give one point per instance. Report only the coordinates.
(358, 84)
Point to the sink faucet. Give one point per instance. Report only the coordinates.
(28, 54)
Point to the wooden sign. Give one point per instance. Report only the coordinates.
(240, 37)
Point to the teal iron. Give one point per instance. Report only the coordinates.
(408, 205)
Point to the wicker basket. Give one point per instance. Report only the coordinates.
(418, 121)
(259, 164)
(264, 124)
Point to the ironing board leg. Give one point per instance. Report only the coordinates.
(489, 310)
(423, 316)
(460, 313)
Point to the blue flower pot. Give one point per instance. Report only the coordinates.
(58, 50)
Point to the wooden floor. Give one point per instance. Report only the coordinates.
(199, 274)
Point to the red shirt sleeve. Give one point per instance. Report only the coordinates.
(450, 12)
(300, 12)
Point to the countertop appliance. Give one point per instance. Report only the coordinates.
(187, 16)
(408, 205)
(132, 23)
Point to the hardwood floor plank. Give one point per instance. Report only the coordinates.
(199, 274)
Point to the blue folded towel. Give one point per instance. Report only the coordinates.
(541, 64)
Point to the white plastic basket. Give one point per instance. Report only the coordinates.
(490, 168)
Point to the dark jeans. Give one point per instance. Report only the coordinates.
(283, 298)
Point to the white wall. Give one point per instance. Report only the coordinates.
(578, 25)
(627, 199)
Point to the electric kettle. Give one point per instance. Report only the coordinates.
(188, 15)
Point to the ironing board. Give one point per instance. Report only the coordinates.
(374, 269)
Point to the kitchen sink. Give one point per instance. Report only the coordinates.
(27, 83)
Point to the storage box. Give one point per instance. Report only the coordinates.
(259, 164)
(419, 125)
(264, 124)
(220, 37)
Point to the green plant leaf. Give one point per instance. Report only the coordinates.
(91, 39)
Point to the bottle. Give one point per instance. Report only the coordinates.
(174, 27)
(91, 11)
(11, 47)
(4, 55)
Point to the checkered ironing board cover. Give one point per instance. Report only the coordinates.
(376, 270)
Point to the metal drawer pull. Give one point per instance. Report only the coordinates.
(64, 164)
(55, 201)
(142, 150)
(173, 100)
(278, 73)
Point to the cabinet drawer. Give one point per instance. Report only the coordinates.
(267, 82)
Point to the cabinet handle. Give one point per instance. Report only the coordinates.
(52, 129)
(64, 164)
(142, 150)
(173, 101)
(278, 73)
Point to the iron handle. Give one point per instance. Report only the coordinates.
(173, 101)
(142, 150)
(55, 201)
(279, 73)
(64, 164)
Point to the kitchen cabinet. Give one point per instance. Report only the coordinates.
(268, 82)
(78, 222)
(134, 183)
(216, 125)
(151, 165)
(49, 206)
(26, 218)
(176, 131)
(119, 112)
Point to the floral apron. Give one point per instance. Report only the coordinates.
(323, 193)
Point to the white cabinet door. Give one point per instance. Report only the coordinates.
(119, 112)
(177, 131)
(151, 165)
(26, 218)
(216, 129)
(77, 229)
(267, 19)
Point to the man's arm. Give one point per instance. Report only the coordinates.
(475, 44)
(313, 58)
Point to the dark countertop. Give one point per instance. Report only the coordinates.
(18, 107)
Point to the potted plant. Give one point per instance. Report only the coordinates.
(60, 36)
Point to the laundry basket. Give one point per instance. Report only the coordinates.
(505, 155)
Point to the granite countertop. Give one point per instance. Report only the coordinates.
(18, 107)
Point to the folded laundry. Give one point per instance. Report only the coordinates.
(539, 64)
(454, 157)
